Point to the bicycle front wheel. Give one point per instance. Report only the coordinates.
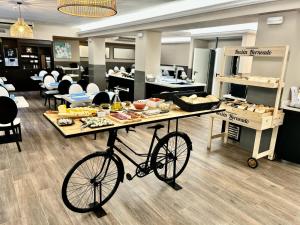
(91, 182)
(171, 155)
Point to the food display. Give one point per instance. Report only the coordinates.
(257, 108)
(165, 107)
(126, 117)
(77, 112)
(152, 112)
(139, 105)
(154, 102)
(271, 80)
(194, 99)
(95, 122)
(196, 102)
(65, 122)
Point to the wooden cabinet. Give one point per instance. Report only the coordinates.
(287, 145)
(32, 56)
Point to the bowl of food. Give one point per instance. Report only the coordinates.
(139, 105)
(165, 107)
(154, 102)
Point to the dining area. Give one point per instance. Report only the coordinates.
(56, 89)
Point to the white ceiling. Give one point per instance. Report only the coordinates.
(45, 10)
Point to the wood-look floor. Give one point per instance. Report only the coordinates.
(218, 187)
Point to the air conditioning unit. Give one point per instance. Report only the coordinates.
(125, 39)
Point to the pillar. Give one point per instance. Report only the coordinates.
(245, 65)
(97, 68)
(147, 60)
(195, 43)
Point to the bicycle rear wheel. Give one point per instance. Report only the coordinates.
(171, 155)
(91, 182)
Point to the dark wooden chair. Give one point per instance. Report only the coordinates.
(100, 98)
(10, 125)
(63, 89)
(83, 83)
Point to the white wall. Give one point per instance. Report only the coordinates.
(46, 32)
(177, 54)
(42, 31)
(225, 42)
(287, 33)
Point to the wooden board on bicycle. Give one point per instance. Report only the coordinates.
(93, 180)
(77, 130)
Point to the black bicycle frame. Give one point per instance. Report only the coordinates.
(113, 137)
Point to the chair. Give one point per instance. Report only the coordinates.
(100, 98)
(116, 69)
(123, 95)
(83, 83)
(63, 88)
(92, 88)
(73, 65)
(60, 77)
(75, 88)
(67, 77)
(110, 72)
(42, 73)
(50, 92)
(9, 122)
(122, 69)
(3, 91)
(55, 74)
(47, 75)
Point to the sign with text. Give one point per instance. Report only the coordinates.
(233, 117)
(253, 51)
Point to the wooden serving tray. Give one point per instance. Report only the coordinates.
(124, 121)
(68, 115)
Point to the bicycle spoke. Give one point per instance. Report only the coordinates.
(93, 179)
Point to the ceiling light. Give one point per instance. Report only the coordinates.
(88, 8)
(20, 28)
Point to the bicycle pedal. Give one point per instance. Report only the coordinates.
(129, 176)
(160, 165)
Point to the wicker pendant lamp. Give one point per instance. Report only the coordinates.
(20, 28)
(88, 8)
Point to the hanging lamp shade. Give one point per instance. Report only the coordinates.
(21, 29)
(88, 8)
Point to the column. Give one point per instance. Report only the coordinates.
(245, 65)
(195, 43)
(147, 60)
(97, 68)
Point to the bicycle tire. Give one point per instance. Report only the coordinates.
(93, 205)
(156, 160)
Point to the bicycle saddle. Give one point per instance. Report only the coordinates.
(156, 127)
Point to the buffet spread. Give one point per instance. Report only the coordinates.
(79, 120)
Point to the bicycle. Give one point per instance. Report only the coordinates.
(93, 180)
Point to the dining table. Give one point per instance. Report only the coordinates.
(9, 87)
(83, 97)
(20, 101)
(4, 79)
(36, 78)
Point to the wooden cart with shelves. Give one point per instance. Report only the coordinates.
(257, 121)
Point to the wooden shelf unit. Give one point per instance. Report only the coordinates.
(258, 122)
(245, 82)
